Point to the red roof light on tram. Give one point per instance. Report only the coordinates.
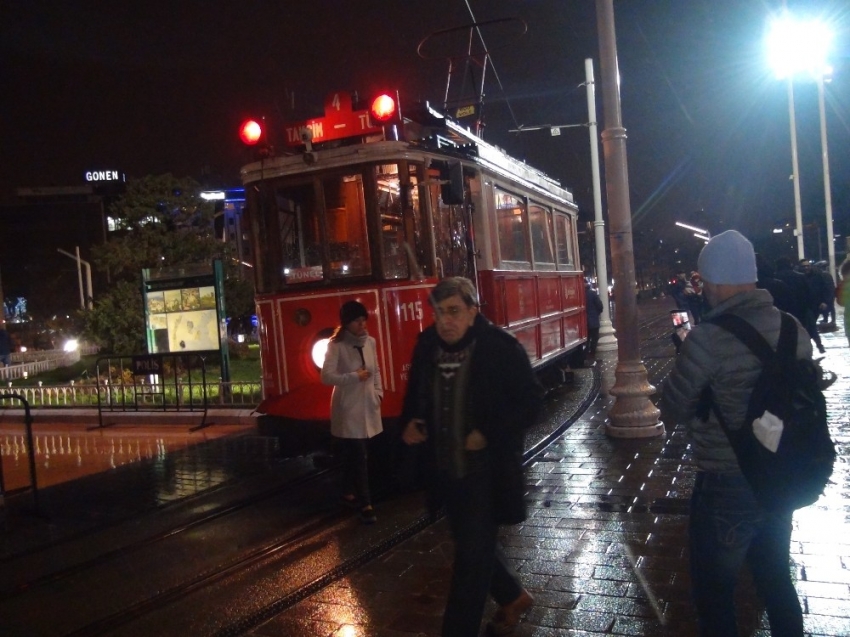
(383, 108)
(250, 132)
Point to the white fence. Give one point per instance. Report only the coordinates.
(26, 364)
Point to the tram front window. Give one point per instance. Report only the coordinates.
(348, 241)
(390, 209)
(298, 223)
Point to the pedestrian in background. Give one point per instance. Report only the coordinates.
(594, 313)
(783, 298)
(819, 291)
(470, 395)
(843, 295)
(351, 366)
(826, 306)
(5, 346)
(695, 299)
(802, 308)
(728, 526)
(679, 291)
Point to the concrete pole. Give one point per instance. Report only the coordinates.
(827, 190)
(633, 415)
(80, 279)
(2, 303)
(85, 301)
(607, 340)
(795, 174)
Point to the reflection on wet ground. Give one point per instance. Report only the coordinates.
(172, 461)
(604, 550)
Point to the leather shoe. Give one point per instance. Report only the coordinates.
(507, 617)
(367, 515)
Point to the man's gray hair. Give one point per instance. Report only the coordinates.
(454, 286)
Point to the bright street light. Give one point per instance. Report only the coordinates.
(698, 232)
(797, 47)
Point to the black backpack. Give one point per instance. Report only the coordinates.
(789, 388)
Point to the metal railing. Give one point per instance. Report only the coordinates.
(30, 452)
(238, 394)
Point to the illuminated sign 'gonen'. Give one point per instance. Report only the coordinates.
(104, 175)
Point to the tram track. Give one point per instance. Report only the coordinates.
(313, 531)
(125, 550)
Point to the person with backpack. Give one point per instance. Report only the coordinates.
(709, 391)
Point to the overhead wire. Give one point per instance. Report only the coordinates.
(489, 59)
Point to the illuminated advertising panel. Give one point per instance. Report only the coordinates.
(183, 311)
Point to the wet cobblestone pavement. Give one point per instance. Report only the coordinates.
(604, 550)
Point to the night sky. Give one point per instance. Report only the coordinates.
(155, 87)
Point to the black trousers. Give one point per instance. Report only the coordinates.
(354, 454)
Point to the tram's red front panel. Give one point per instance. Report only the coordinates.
(291, 325)
(407, 313)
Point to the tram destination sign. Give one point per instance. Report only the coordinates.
(340, 121)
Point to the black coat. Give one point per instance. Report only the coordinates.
(503, 398)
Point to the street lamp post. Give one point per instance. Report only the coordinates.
(795, 172)
(633, 414)
(85, 301)
(607, 340)
(827, 190)
(802, 46)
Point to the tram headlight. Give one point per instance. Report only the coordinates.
(320, 349)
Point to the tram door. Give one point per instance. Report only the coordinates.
(452, 233)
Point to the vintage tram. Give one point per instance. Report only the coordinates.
(372, 206)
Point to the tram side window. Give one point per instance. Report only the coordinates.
(451, 233)
(564, 232)
(542, 237)
(298, 225)
(512, 222)
(348, 242)
(391, 215)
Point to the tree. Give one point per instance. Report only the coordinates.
(116, 322)
(162, 222)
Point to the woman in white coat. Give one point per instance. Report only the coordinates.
(351, 366)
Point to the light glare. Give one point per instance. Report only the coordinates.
(320, 349)
(798, 46)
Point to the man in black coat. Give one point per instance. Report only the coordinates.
(783, 299)
(470, 395)
(802, 308)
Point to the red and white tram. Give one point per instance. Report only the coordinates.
(378, 211)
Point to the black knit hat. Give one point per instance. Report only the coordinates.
(351, 311)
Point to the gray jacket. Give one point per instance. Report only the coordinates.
(713, 357)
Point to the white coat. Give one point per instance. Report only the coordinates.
(355, 404)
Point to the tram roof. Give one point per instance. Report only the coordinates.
(429, 135)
